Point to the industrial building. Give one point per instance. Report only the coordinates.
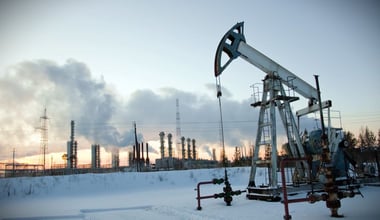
(168, 162)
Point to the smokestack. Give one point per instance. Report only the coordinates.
(183, 148)
(72, 148)
(188, 148)
(142, 153)
(95, 156)
(134, 154)
(137, 146)
(130, 158)
(162, 148)
(142, 160)
(72, 131)
(213, 154)
(75, 158)
(147, 156)
(170, 148)
(115, 158)
(194, 151)
(69, 154)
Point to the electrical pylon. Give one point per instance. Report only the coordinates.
(178, 128)
(44, 138)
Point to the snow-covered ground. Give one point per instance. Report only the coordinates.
(157, 195)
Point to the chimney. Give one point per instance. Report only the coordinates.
(147, 156)
(137, 151)
(130, 159)
(134, 154)
(183, 148)
(72, 148)
(69, 154)
(194, 151)
(162, 141)
(75, 156)
(142, 153)
(188, 148)
(170, 148)
(115, 158)
(213, 154)
(95, 156)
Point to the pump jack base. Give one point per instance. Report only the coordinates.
(263, 193)
(337, 216)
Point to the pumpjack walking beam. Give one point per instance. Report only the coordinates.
(233, 44)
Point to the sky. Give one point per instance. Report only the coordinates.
(106, 64)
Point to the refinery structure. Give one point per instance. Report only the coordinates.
(138, 158)
(137, 161)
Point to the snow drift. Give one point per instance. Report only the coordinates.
(156, 195)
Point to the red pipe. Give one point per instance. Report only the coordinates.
(199, 193)
(286, 201)
(199, 197)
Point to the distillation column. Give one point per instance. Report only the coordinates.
(194, 151)
(162, 147)
(188, 148)
(183, 148)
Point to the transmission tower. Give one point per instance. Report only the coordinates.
(178, 128)
(44, 138)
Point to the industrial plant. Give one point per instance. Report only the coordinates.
(188, 158)
(138, 158)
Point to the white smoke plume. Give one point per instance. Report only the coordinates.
(70, 92)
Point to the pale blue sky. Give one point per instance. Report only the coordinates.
(158, 44)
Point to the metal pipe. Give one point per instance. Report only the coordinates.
(199, 197)
(332, 202)
(199, 193)
(320, 108)
(286, 201)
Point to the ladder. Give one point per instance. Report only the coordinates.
(295, 147)
(273, 96)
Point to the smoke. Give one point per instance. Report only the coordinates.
(152, 150)
(207, 150)
(70, 92)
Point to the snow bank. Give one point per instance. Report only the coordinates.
(111, 182)
(166, 195)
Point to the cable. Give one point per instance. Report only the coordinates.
(219, 94)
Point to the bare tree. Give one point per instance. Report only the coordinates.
(366, 138)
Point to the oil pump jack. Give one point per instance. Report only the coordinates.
(274, 95)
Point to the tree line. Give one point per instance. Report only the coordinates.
(366, 138)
